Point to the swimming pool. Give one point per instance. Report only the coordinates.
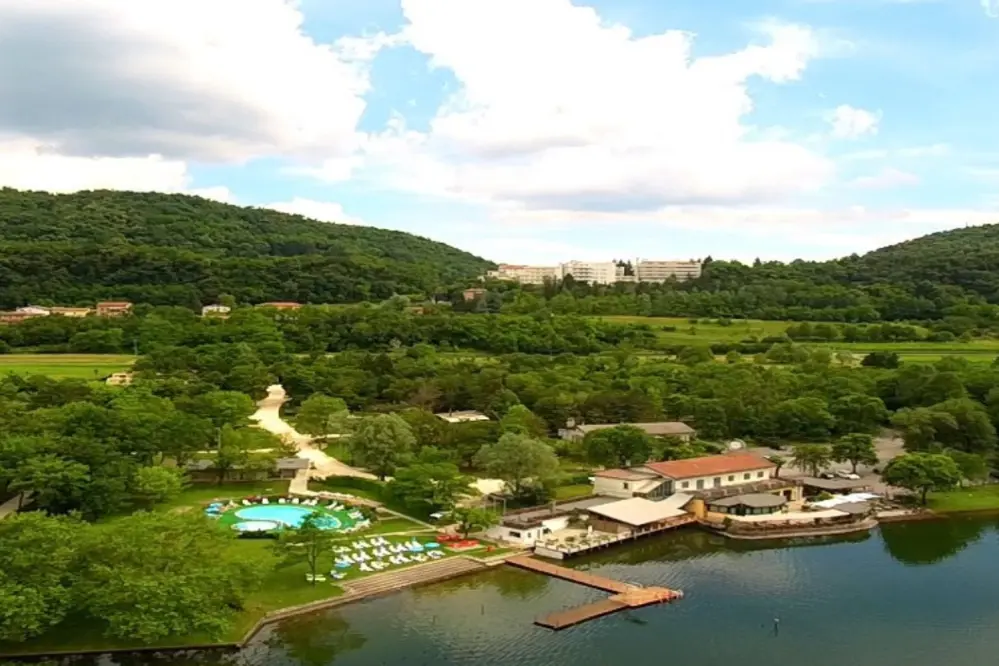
(292, 516)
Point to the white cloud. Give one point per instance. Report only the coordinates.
(885, 180)
(188, 80)
(849, 122)
(324, 211)
(991, 8)
(582, 115)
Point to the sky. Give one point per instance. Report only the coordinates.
(525, 131)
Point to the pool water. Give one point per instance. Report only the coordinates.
(292, 516)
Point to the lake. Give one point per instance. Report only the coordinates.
(918, 594)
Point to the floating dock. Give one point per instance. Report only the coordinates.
(625, 595)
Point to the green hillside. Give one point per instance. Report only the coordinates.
(174, 249)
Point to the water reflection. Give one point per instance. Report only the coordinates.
(932, 541)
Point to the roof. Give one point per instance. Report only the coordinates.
(726, 463)
(280, 304)
(205, 464)
(114, 304)
(537, 515)
(663, 428)
(462, 416)
(753, 501)
(637, 511)
(624, 474)
(833, 484)
(292, 463)
(854, 508)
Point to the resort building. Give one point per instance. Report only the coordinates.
(215, 311)
(204, 470)
(113, 308)
(528, 526)
(753, 504)
(473, 293)
(681, 431)
(119, 379)
(17, 317)
(467, 416)
(638, 516)
(281, 305)
(525, 274)
(660, 271)
(70, 312)
(35, 310)
(594, 272)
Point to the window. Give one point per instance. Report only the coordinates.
(685, 484)
(759, 475)
(731, 477)
(514, 535)
(700, 484)
(625, 485)
(746, 476)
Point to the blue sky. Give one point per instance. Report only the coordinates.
(527, 131)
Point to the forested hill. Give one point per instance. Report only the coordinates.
(966, 258)
(173, 249)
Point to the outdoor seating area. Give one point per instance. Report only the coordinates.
(379, 554)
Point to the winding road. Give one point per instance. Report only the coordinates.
(268, 417)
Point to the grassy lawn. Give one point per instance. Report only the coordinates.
(63, 366)
(394, 524)
(569, 492)
(201, 494)
(979, 498)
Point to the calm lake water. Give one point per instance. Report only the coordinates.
(914, 594)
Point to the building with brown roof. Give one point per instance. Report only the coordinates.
(281, 305)
(17, 317)
(708, 477)
(676, 429)
(113, 308)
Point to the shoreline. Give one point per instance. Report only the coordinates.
(349, 597)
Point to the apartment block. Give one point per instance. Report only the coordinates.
(595, 272)
(525, 274)
(660, 271)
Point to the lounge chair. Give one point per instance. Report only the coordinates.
(318, 578)
(294, 500)
(420, 558)
(338, 575)
(247, 502)
(435, 554)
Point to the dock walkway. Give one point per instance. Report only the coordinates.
(625, 595)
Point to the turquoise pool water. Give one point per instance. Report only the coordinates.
(292, 516)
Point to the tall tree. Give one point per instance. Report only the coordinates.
(856, 449)
(522, 421)
(518, 460)
(382, 443)
(321, 416)
(38, 569)
(308, 543)
(153, 575)
(429, 485)
(620, 446)
(470, 519)
(811, 458)
(922, 472)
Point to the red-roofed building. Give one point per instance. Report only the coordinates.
(709, 473)
(113, 308)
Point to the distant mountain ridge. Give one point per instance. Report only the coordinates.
(184, 250)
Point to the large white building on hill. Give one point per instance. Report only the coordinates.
(600, 272)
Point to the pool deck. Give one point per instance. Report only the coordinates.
(625, 595)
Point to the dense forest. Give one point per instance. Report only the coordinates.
(949, 275)
(171, 249)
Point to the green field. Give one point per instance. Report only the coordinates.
(61, 366)
(979, 498)
(706, 332)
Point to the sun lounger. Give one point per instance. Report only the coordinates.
(420, 558)
(246, 502)
(318, 578)
(404, 559)
(435, 554)
(338, 575)
(294, 500)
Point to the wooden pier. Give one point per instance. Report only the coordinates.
(625, 595)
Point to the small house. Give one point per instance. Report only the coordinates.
(466, 416)
(677, 429)
(113, 308)
(215, 311)
(281, 305)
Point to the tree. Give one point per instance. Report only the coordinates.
(153, 575)
(922, 472)
(517, 460)
(880, 359)
(321, 416)
(858, 412)
(856, 449)
(779, 462)
(522, 421)
(811, 458)
(619, 446)
(428, 485)
(57, 485)
(919, 427)
(38, 569)
(222, 408)
(155, 485)
(382, 443)
(974, 467)
(471, 519)
(308, 542)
